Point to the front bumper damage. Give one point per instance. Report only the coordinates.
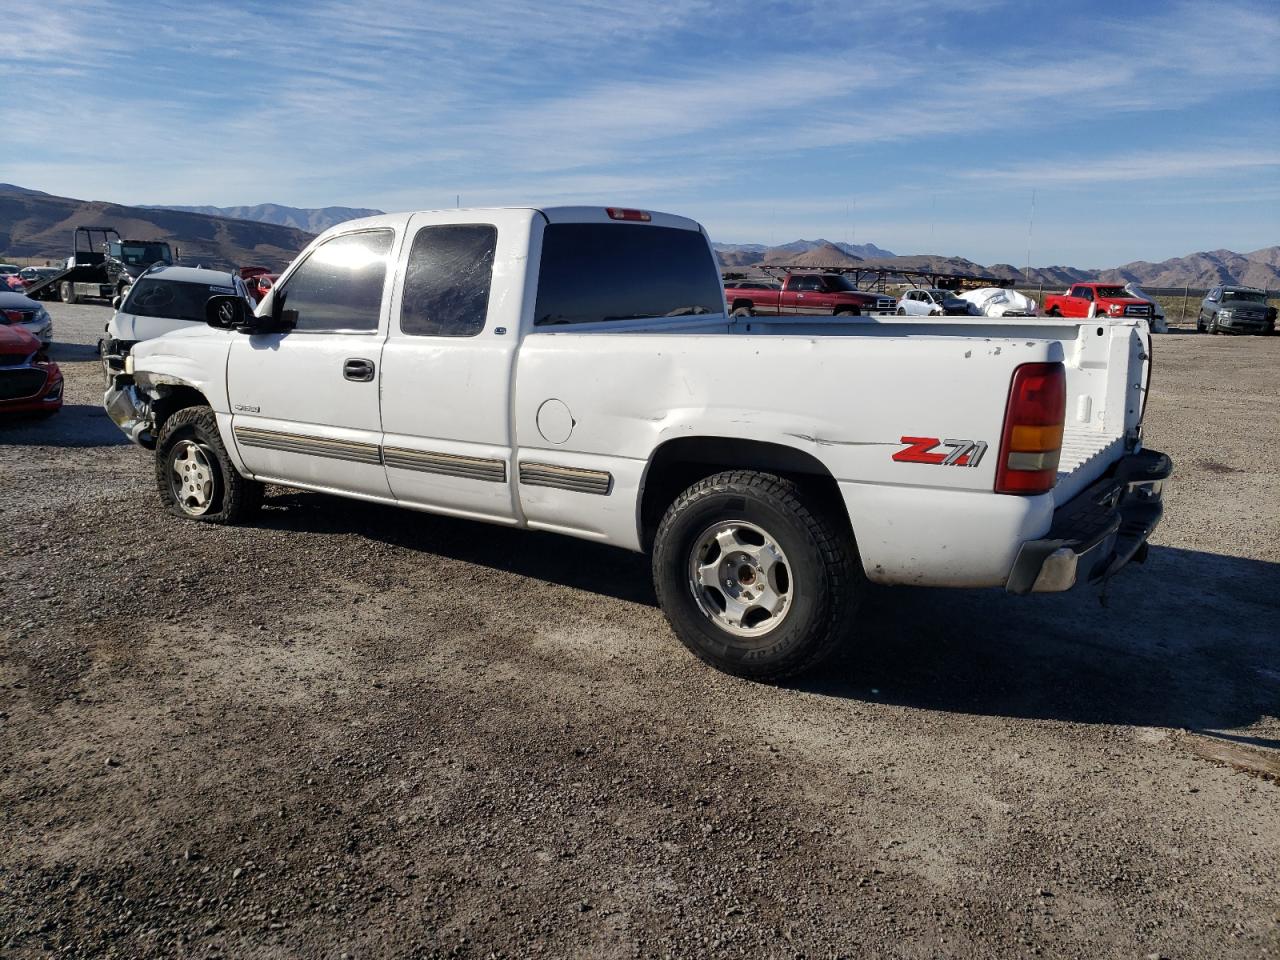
(1099, 531)
(131, 410)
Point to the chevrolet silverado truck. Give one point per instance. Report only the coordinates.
(815, 294)
(1097, 299)
(574, 370)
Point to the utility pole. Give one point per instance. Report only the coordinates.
(1031, 223)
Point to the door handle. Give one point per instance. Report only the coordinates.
(359, 370)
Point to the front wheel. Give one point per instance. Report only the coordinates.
(901, 312)
(196, 478)
(755, 577)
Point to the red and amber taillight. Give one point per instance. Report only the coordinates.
(1031, 444)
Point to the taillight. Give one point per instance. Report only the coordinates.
(621, 213)
(14, 316)
(1031, 444)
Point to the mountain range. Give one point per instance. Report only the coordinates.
(1261, 268)
(310, 219)
(39, 226)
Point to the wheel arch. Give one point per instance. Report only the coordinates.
(682, 461)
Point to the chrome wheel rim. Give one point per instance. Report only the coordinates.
(192, 477)
(740, 578)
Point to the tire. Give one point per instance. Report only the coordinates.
(743, 312)
(1213, 325)
(68, 292)
(802, 565)
(849, 312)
(1054, 312)
(901, 312)
(195, 477)
(1200, 323)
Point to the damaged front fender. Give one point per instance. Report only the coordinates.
(131, 410)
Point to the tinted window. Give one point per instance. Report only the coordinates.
(613, 271)
(154, 297)
(446, 285)
(801, 284)
(339, 287)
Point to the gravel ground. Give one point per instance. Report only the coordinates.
(354, 731)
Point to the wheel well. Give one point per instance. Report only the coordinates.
(678, 464)
(175, 397)
(739, 304)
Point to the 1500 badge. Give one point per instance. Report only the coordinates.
(959, 453)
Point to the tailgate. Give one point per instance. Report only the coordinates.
(1108, 367)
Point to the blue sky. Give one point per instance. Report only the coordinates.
(1146, 130)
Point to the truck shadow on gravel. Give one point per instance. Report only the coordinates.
(1188, 640)
(75, 425)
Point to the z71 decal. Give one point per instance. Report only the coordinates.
(960, 453)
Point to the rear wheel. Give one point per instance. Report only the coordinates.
(901, 312)
(68, 292)
(196, 478)
(755, 577)
(743, 312)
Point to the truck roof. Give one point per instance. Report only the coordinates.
(552, 214)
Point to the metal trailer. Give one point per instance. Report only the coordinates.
(86, 276)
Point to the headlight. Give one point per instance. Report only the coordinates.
(1226, 314)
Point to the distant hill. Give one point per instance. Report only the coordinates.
(820, 254)
(310, 219)
(1261, 268)
(750, 254)
(40, 225)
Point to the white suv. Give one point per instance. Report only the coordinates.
(161, 301)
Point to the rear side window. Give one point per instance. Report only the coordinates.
(172, 300)
(594, 272)
(446, 284)
(339, 286)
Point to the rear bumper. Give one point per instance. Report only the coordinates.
(1099, 531)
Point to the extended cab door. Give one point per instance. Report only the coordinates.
(305, 402)
(448, 363)
(803, 295)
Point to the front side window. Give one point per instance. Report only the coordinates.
(446, 284)
(593, 272)
(338, 288)
(806, 284)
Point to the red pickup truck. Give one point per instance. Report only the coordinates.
(1110, 299)
(824, 294)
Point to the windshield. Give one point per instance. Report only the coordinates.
(172, 300)
(7, 268)
(1248, 296)
(1113, 292)
(142, 254)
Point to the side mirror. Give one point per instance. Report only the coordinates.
(228, 313)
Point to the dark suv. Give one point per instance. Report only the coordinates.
(1231, 309)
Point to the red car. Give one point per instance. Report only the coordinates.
(29, 381)
(1104, 299)
(259, 284)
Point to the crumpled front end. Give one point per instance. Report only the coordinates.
(131, 410)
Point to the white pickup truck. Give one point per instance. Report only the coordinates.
(574, 370)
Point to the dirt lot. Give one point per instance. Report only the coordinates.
(354, 731)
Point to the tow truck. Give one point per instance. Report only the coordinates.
(103, 270)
